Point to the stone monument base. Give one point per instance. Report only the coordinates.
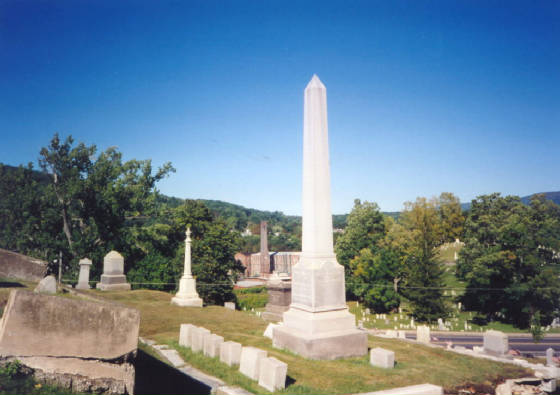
(187, 295)
(279, 299)
(82, 286)
(274, 313)
(113, 282)
(320, 335)
(186, 302)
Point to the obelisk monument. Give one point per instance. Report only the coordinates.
(187, 295)
(318, 324)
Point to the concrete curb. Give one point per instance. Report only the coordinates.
(171, 355)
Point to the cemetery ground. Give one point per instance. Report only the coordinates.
(415, 363)
(160, 321)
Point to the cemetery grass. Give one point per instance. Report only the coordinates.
(416, 364)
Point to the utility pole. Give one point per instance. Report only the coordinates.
(59, 267)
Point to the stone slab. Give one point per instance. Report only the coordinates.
(173, 357)
(185, 335)
(21, 267)
(43, 325)
(46, 286)
(212, 343)
(85, 375)
(230, 353)
(250, 361)
(421, 389)
(495, 343)
(229, 305)
(197, 343)
(550, 357)
(272, 374)
(382, 358)
(332, 345)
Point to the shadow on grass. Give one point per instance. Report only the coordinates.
(156, 377)
(10, 284)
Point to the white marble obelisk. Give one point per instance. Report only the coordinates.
(187, 295)
(318, 324)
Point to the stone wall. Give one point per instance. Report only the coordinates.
(21, 267)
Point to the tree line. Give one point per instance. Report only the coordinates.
(509, 261)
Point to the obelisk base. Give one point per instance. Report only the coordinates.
(113, 282)
(320, 335)
(187, 295)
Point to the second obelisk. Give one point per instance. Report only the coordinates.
(318, 324)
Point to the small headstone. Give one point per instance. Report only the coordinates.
(495, 343)
(382, 358)
(269, 329)
(441, 326)
(230, 353)
(402, 335)
(550, 357)
(423, 334)
(250, 361)
(368, 311)
(197, 340)
(46, 285)
(185, 335)
(212, 345)
(229, 305)
(83, 277)
(272, 374)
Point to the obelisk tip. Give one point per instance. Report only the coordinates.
(315, 83)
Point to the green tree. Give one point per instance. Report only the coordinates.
(510, 260)
(96, 197)
(422, 272)
(451, 217)
(365, 228)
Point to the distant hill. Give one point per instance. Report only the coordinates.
(554, 196)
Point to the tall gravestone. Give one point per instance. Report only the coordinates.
(83, 277)
(187, 295)
(279, 297)
(318, 324)
(113, 278)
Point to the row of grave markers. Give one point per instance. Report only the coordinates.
(253, 362)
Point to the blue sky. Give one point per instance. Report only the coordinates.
(423, 96)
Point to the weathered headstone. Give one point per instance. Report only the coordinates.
(272, 374)
(83, 277)
(382, 358)
(402, 335)
(279, 298)
(185, 335)
(318, 324)
(113, 278)
(212, 345)
(197, 339)
(230, 353)
(46, 286)
(250, 361)
(22, 267)
(187, 295)
(72, 342)
(229, 305)
(423, 334)
(495, 343)
(550, 357)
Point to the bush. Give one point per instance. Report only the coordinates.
(251, 298)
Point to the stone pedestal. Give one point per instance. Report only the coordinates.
(279, 299)
(113, 278)
(83, 277)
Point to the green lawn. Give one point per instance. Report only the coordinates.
(416, 364)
